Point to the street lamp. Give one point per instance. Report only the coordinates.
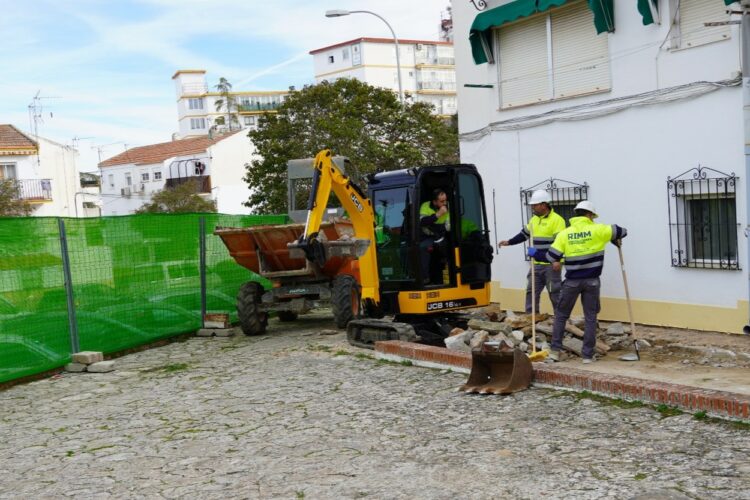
(340, 13)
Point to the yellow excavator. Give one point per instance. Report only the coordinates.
(411, 285)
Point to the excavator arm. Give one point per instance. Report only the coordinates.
(328, 178)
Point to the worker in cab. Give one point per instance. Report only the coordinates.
(544, 225)
(434, 224)
(582, 246)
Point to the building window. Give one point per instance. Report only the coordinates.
(128, 179)
(249, 120)
(552, 56)
(7, 171)
(330, 59)
(565, 196)
(144, 177)
(356, 55)
(157, 175)
(690, 30)
(111, 180)
(345, 54)
(197, 123)
(703, 219)
(195, 103)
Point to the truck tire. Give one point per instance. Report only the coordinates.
(287, 316)
(252, 321)
(345, 299)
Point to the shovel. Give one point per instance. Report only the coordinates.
(634, 356)
(535, 355)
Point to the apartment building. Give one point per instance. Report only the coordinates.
(45, 171)
(427, 68)
(197, 110)
(216, 164)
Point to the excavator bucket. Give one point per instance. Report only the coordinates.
(498, 372)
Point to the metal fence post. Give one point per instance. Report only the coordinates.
(202, 246)
(72, 322)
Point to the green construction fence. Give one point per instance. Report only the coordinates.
(135, 279)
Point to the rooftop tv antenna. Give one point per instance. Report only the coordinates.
(36, 112)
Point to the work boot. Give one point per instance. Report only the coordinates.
(588, 361)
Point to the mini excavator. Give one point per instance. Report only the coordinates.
(392, 295)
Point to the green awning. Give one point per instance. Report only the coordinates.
(480, 34)
(645, 9)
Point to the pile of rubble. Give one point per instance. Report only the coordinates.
(514, 330)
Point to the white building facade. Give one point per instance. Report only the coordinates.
(197, 111)
(46, 172)
(427, 68)
(216, 164)
(635, 105)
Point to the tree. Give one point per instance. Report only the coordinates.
(367, 124)
(229, 103)
(10, 202)
(182, 198)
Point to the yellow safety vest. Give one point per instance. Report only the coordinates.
(545, 229)
(582, 247)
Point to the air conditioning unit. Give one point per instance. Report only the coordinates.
(125, 191)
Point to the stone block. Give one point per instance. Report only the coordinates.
(457, 343)
(456, 331)
(87, 357)
(478, 339)
(516, 336)
(616, 329)
(75, 367)
(490, 326)
(101, 367)
(573, 345)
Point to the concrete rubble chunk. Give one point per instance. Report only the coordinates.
(75, 367)
(494, 312)
(490, 326)
(456, 331)
(87, 357)
(101, 367)
(458, 343)
(616, 329)
(478, 339)
(523, 346)
(573, 345)
(516, 336)
(578, 321)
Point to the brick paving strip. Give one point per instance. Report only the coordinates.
(692, 399)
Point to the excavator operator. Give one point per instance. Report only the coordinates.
(434, 222)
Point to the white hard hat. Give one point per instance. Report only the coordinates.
(540, 196)
(588, 206)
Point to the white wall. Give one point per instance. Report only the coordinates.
(227, 171)
(625, 157)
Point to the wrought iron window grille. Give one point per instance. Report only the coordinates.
(565, 196)
(702, 207)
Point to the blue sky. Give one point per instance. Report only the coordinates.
(106, 65)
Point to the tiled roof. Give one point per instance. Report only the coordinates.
(157, 153)
(13, 139)
(380, 40)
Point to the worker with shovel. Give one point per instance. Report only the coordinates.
(582, 247)
(541, 229)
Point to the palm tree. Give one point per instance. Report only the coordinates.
(227, 101)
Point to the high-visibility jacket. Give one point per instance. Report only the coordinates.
(431, 224)
(582, 247)
(544, 228)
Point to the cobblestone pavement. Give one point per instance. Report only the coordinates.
(284, 416)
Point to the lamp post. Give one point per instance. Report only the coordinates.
(340, 13)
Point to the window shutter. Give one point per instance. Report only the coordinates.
(580, 57)
(524, 77)
(693, 13)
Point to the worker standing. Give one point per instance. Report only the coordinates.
(582, 247)
(543, 226)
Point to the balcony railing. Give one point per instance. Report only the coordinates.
(203, 182)
(450, 86)
(34, 189)
(258, 106)
(436, 61)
